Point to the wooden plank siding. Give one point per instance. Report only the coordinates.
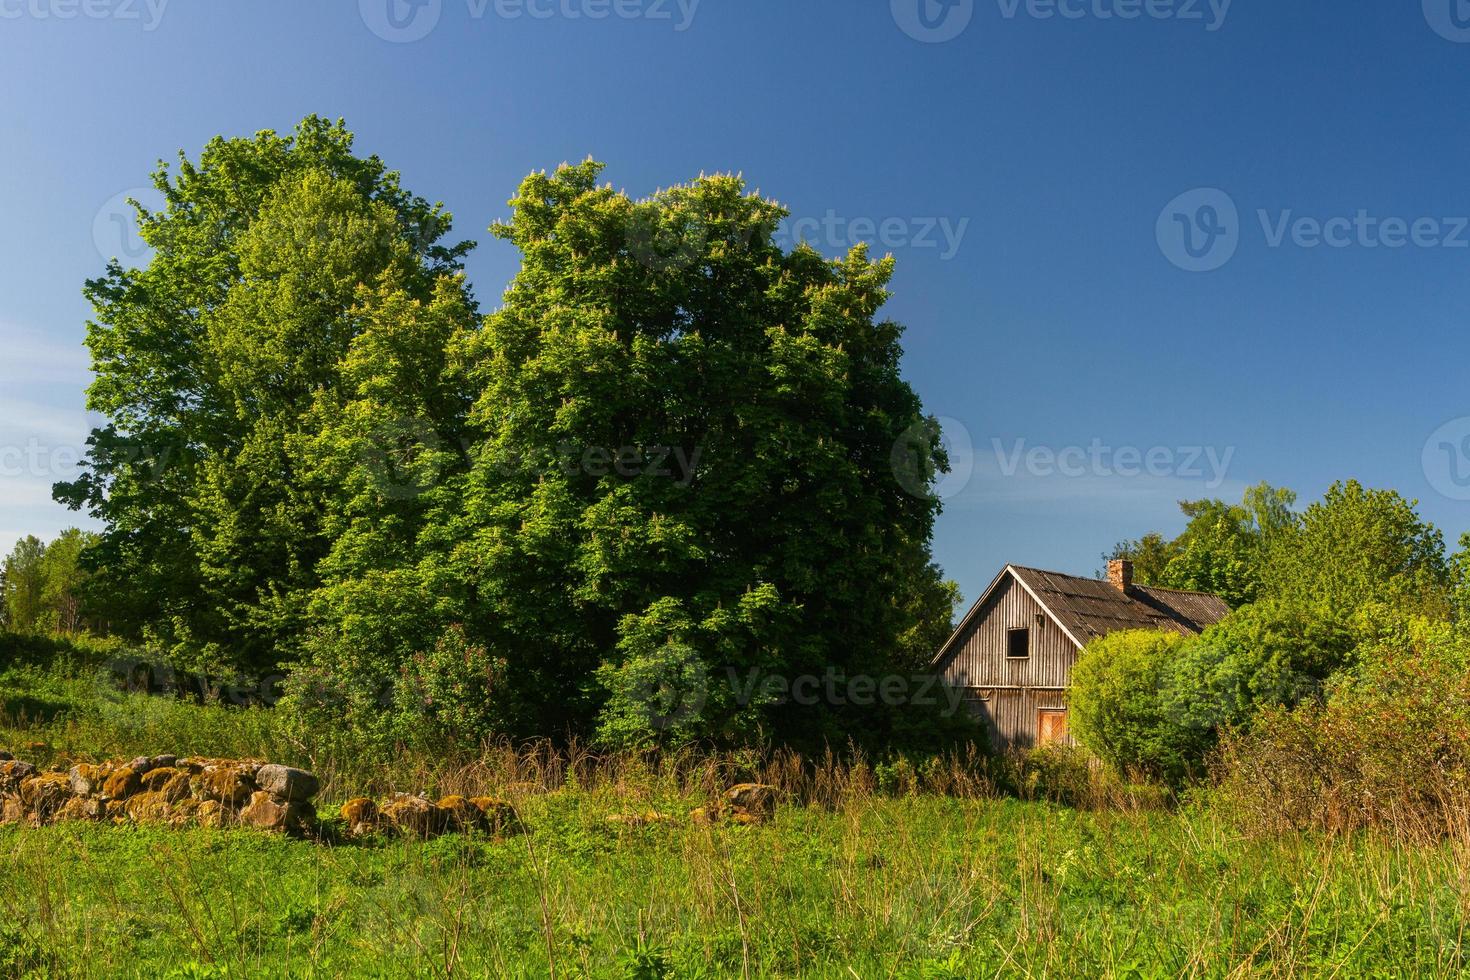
(1007, 692)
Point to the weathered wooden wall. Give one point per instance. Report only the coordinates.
(1006, 692)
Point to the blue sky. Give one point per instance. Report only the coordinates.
(1146, 249)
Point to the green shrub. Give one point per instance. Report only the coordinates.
(1117, 704)
(451, 694)
(1263, 655)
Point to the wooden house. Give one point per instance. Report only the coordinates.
(1013, 652)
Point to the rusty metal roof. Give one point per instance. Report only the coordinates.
(1088, 608)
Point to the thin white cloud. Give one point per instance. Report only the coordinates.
(33, 357)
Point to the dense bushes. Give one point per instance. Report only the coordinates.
(1345, 590)
(1389, 746)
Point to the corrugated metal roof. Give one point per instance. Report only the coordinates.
(1088, 608)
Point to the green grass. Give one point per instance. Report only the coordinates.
(917, 887)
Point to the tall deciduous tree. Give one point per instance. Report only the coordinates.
(213, 363)
(1358, 546)
(1222, 549)
(694, 464)
(24, 583)
(64, 581)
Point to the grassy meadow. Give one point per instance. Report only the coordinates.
(865, 872)
(909, 887)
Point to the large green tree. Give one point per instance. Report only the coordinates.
(214, 365)
(693, 460)
(1223, 546)
(1355, 547)
(23, 580)
(64, 581)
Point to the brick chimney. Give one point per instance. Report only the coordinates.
(1120, 574)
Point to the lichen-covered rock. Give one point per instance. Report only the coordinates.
(500, 818)
(122, 784)
(82, 808)
(173, 784)
(361, 816)
(756, 799)
(746, 804)
(176, 788)
(286, 783)
(45, 794)
(265, 812)
(209, 813)
(154, 779)
(226, 783)
(148, 808)
(410, 815)
(13, 773)
(455, 813)
(141, 764)
(87, 779)
(12, 810)
(115, 810)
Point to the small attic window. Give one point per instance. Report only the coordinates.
(1018, 643)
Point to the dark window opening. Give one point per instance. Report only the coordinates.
(1018, 644)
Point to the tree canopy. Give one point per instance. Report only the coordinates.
(213, 366)
(675, 458)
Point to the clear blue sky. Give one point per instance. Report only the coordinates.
(1049, 147)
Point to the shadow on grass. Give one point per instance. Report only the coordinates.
(23, 710)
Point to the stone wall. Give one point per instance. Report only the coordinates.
(161, 789)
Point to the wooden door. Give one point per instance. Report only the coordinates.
(1051, 726)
